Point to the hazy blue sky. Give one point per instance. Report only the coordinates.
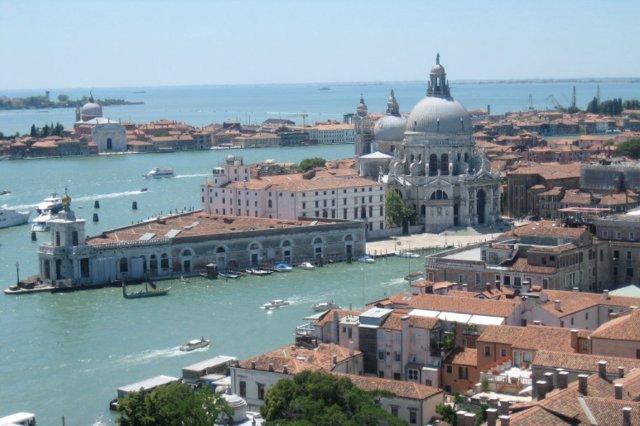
(50, 44)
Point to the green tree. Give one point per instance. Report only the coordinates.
(312, 398)
(174, 404)
(161, 133)
(593, 106)
(448, 413)
(311, 163)
(34, 131)
(63, 98)
(397, 212)
(630, 148)
(45, 131)
(632, 104)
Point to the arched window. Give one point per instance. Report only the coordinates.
(317, 247)
(433, 165)
(124, 265)
(466, 157)
(286, 243)
(153, 262)
(439, 195)
(444, 164)
(254, 246)
(74, 238)
(221, 250)
(187, 253)
(423, 210)
(57, 239)
(349, 237)
(109, 143)
(164, 261)
(270, 204)
(317, 240)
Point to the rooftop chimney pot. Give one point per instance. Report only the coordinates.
(492, 416)
(563, 379)
(602, 369)
(541, 389)
(620, 372)
(617, 390)
(626, 416)
(505, 420)
(557, 304)
(582, 384)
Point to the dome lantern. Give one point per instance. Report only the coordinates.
(438, 85)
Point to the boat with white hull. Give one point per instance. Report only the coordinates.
(192, 345)
(275, 304)
(46, 210)
(10, 217)
(159, 173)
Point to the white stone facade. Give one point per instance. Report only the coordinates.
(109, 137)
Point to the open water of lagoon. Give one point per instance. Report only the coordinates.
(65, 354)
(199, 105)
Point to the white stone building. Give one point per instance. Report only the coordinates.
(329, 193)
(108, 135)
(331, 133)
(436, 168)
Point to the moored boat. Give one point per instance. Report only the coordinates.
(46, 210)
(282, 267)
(10, 217)
(325, 306)
(259, 272)
(154, 291)
(275, 303)
(366, 259)
(307, 266)
(192, 345)
(229, 275)
(409, 255)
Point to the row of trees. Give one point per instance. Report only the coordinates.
(311, 163)
(630, 148)
(612, 106)
(46, 130)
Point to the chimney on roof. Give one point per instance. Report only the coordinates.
(605, 294)
(557, 304)
(626, 416)
(253, 365)
(617, 390)
(351, 349)
(582, 384)
(498, 283)
(469, 419)
(602, 369)
(574, 339)
(504, 407)
(465, 287)
(492, 416)
(488, 287)
(548, 377)
(574, 289)
(270, 366)
(285, 369)
(335, 319)
(505, 420)
(620, 372)
(541, 389)
(563, 379)
(334, 359)
(460, 417)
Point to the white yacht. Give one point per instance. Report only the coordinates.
(159, 173)
(275, 303)
(366, 259)
(324, 306)
(195, 344)
(46, 209)
(9, 217)
(306, 265)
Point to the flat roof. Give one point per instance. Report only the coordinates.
(458, 317)
(147, 384)
(424, 313)
(471, 254)
(485, 320)
(198, 224)
(208, 363)
(376, 312)
(454, 317)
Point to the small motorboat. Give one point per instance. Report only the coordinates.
(409, 255)
(259, 272)
(192, 345)
(275, 304)
(282, 267)
(159, 173)
(324, 306)
(366, 259)
(229, 275)
(307, 266)
(144, 190)
(5, 192)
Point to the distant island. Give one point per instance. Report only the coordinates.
(62, 101)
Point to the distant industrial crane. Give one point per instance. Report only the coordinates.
(555, 102)
(304, 115)
(531, 108)
(573, 99)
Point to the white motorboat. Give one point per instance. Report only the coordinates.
(275, 304)
(325, 306)
(366, 259)
(306, 265)
(282, 267)
(159, 173)
(10, 217)
(409, 255)
(259, 272)
(192, 345)
(46, 209)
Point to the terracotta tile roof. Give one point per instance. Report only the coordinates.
(197, 224)
(547, 228)
(531, 337)
(394, 322)
(522, 265)
(463, 305)
(626, 327)
(298, 359)
(550, 171)
(466, 356)
(328, 316)
(462, 293)
(401, 388)
(587, 363)
(296, 182)
(572, 302)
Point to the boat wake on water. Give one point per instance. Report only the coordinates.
(90, 198)
(191, 176)
(149, 355)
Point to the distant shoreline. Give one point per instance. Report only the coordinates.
(57, 106)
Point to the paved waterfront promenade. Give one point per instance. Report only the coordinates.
(427, 241)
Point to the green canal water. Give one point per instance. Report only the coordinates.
(65, 354)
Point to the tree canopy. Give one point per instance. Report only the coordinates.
(312, 398)
(396, 210)
(174, 404)
(311, 163)
(630, 148)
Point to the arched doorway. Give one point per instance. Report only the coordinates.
(221, 258)
(109, 144)
(444, 164)
(433, 165)
(254, 252)
(287, 255)
(481, 201)
(348, 246)
(187, 263)
(318, 248)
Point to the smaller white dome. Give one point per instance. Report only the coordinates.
(390, 128)
(437, 69)
(90, 110)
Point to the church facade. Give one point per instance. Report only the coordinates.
(432, 160)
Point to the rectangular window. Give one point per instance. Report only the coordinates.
(487, 350)
(628, 255)
(412, 374)
(260, 391)
(380, 354)
(413, 416)
(394, 410)
(449, 369)
(503, 352)
(397, 376)
(243, 388)
(398, 356)
(381, 374)
(463, 373)
(629, 272)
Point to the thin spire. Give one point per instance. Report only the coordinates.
(438, 58)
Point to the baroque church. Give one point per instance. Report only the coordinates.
(430, 159)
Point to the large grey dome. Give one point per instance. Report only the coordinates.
(439, 115)
(390, 128)
(90, 110)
